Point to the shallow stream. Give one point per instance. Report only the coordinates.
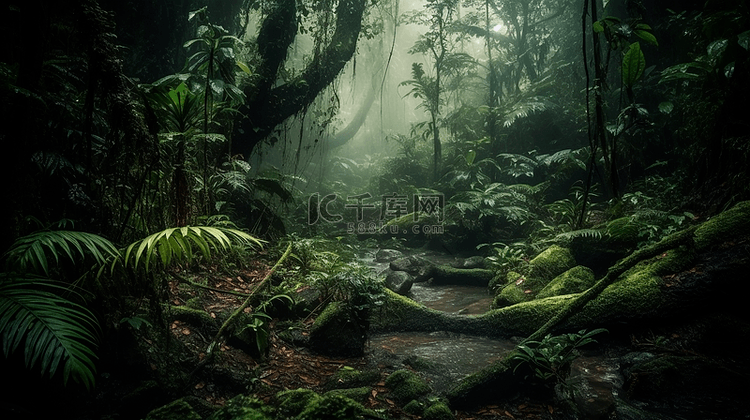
(446, 358)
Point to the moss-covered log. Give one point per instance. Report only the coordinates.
(445, 274)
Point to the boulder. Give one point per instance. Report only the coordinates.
(388, 255)
(476, 261)
(412, 264)
(399, 281)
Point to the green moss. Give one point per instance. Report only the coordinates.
(438, 411)
(338, 332)
(637, 294)
(347, 377)
(292, 402)
(243, 407)
(552, 262)
(196, 317)
(360, 394)
(414, 407)
(732, 223)
(575, 280)
(623, 230)
(510, 295)
(526, 317)
(176, 410)
(333, 407)
(406, 385)
(393, 311)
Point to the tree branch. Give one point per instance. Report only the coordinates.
(267, 109)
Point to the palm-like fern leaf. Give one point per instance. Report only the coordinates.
(31, 253)
(56, 332)
(179, 244)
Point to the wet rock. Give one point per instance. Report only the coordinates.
(399, 281)
(306, 300)
(388, 255)
(476, 261)
(595, 383)
(412, 265)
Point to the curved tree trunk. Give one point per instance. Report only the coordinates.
(269, 105)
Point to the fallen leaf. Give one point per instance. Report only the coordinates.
(199, 385)
(185, 331)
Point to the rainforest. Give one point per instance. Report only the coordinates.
(375, 209)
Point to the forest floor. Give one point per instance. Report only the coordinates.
(287, 366)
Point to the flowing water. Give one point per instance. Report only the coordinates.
(445, 358)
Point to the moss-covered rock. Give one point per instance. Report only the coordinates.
(333, 407)
(360, 394)
(414, 407)
(292, 402)
(405, 385)
(438, 411)
(577, 279)
(510, 295)
(399, 281)
(549, 264)
(176, 410)
(338, 331)
(348, 377)
(730, 224)
(243, 407)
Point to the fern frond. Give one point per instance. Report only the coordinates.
(580, 233)
(56, 332)
(523, 109)
(31, 253)
(182, 243)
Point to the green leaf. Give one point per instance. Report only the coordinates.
(666, 107)
(30, 253)
(180, 244)
(55, 330)
(598, 27)
(470, 156)
(244, 67)
(633, 64)
(646, 36)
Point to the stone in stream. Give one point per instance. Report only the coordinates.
(412, 265)
(387, 255)
(399, 281)
(476, 261)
